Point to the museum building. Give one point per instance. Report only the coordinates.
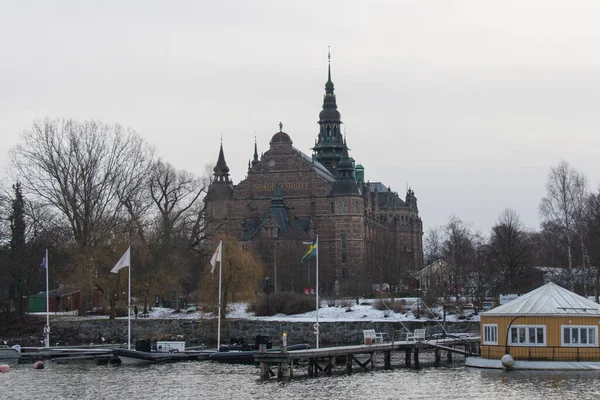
(368, 235)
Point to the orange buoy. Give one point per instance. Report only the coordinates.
(38, 365)
(4, 368)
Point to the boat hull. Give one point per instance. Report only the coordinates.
(9, 356)
(478, 362)
(135, 357)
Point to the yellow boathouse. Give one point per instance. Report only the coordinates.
(547, 328)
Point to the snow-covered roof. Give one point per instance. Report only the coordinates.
(548, 300)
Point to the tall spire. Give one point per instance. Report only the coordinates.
(329, 147)
(255, 159)
(329, 84)
(221, 169)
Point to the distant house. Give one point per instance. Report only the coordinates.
(60, 300)
(436, 276)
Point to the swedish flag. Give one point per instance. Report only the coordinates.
(311, 251)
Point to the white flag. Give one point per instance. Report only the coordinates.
(216, 257)
(123, 262)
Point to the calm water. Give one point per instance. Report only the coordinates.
(199, 380)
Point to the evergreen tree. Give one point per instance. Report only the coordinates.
(17, 249)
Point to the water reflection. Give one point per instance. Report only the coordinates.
(221, 381)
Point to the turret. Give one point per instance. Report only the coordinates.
(411, 200)
(221, 187)
(345, 183)
(360, 174)
(221, 170)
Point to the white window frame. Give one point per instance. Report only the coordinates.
(579, 328)
(493, 332)
(527, 329)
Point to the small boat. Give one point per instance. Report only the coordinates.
(247, 357)
(136, 357)
(165, 352)
(10, 355)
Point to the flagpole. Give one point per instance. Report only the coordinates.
(317, 277)
(220, 274)
(47, 305)
(129, 302)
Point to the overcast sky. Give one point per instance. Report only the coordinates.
(468, 102)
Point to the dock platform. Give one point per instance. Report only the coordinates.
(324, 360)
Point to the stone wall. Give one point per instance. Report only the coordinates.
(204, 331)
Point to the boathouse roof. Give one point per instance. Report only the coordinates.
(548, 300)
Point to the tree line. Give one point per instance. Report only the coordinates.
(86, 191)
(513, 259)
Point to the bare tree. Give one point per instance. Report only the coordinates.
(174, 193)
(459, 251)
(562, 207)
(510, 251)
(592, 229)
(82, 170)
(433, 245)
(482, 276)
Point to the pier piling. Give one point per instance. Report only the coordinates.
(324, 359)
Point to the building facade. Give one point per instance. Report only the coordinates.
(367, 233)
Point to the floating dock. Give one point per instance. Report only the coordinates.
(324, 360)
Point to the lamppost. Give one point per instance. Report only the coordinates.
(267, 291)
(507, 360)
(145, 297)
(275, 264)
(506, 346)
(418, 298)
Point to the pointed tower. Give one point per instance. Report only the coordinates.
(255, 159)
(218, 197)
(221, 170)
(330, 143)
(221, 188)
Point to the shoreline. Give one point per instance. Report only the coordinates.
(77, 330)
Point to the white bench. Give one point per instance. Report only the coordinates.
(370, 336)
(416, 336)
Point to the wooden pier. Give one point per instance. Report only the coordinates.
(324, 360)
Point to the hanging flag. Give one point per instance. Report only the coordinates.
(312, 251)
(43, 265)
(123, 262)
(216, 257)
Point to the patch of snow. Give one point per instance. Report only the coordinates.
(364, 311)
